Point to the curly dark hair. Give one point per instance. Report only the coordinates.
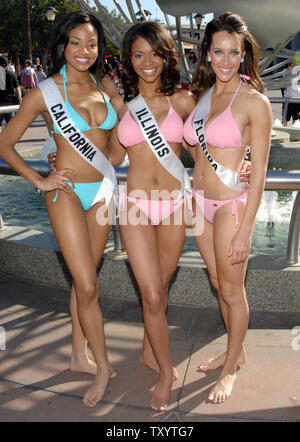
(204, 76)
(61, 39)
(162, 43)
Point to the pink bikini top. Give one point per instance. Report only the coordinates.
(130, 134)
(222, 132)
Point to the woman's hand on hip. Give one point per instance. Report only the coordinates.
(57, 180)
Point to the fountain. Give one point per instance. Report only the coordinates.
(31, 254)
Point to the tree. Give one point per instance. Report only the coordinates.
(26, 29)
(12, 39)
(10, 26)
(40, 27)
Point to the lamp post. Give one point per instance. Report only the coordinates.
(141, 18)
(50, 13)
(198, 19)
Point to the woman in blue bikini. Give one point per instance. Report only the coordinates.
(81, 117)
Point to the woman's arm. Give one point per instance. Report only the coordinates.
(36, 80)
(260, 120)
(109, 87)
(184, 103)
(31, 107)
(191, 149)
(116, 150)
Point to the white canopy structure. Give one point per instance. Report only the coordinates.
(274, 23)
(270, 21)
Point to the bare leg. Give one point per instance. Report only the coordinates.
(214, 363)
(205, 246)
(78, 233)
(141, 246)
(232, 291)
(170, 244)
(80, 362)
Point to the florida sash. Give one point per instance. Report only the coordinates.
(227, 176)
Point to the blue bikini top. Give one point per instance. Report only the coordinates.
(109, 122)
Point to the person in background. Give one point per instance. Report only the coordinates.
(36, 62)
(10, 92)
(29, 79)
(11, 67)
(40, 73)
(293, 91)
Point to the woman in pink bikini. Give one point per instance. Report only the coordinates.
(231, 116)
(151, 131)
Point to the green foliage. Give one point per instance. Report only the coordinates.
(11, 23)
(40, 28)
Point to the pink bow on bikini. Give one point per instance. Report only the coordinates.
(244, 77)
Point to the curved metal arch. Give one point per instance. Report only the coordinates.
(270, 21)
(270, 14)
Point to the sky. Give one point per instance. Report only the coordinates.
(150, 5)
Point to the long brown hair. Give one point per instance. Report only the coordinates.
(162, 43)
(204, 76)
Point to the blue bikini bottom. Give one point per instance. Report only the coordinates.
(86, 192)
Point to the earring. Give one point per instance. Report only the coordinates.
(242, 60)
(209, 58)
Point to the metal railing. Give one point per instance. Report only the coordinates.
(276, 180)
(9, 109)
(285, 102)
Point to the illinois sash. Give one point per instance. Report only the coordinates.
(157, 143)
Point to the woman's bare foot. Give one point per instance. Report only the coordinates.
(214, 363)
(161, 393)
(222, 390)
(150, 362)
(97, 389)
(87, 366)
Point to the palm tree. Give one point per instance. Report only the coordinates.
(26, 5)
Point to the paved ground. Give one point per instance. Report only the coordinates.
(36, 385)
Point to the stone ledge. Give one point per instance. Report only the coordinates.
(271, 285)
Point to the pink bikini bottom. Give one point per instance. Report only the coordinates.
(211, 206)
(155, 210)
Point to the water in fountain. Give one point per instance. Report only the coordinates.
(22, 205)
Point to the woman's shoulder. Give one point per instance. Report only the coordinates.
(256, 103)
(33, 101)
(108, 86)
(183, 99)
(182, 94)
(57, 78)
(118, 103)
(254, 98)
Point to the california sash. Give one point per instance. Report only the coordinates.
(79, 142)
(157, 143)
(227, 176)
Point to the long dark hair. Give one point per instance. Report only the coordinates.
(204, 76)
(61, 39)
(162, 43)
